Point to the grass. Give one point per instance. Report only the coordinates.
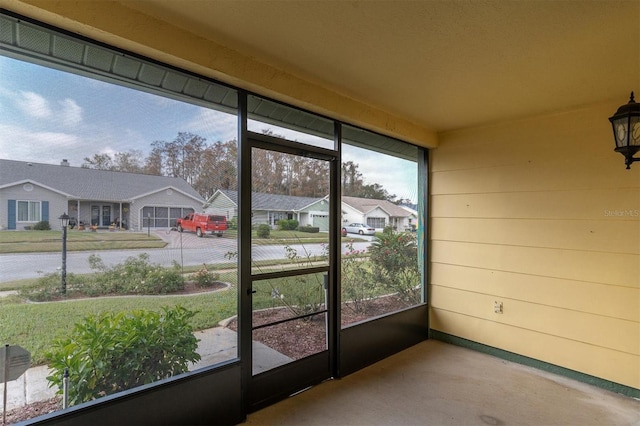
(51, 241)
(282, 237)
(34, 325)
(16, 284)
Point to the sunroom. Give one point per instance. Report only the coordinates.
(491, 117)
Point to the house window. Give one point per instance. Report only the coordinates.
(274, 217)
(29, 211)
(163, 217)
(127, 127)
(376, 222)
(368, 282)
(189, 113)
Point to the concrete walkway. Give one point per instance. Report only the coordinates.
(215, 345)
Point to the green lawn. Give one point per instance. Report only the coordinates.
(282, 237)
(34, 325)
(51, 241)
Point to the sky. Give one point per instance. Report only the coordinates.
(47, 115)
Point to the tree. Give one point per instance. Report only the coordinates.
(209, 167)
(394, 257)
(128, 161)
(99, 162)
(351, 179)
(353, 184)
(219, 168)
(153, 162)
(120, 162)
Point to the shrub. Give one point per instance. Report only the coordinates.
(43, 225)
(135, 276)
(395, 264)
(287, 224)
(309, 228)
(233, 223)
(161, 280)
(112, 352)
(357, 281)
(301, 294)
(204, 278)
(263, 230)
(49, 287)
(293, 224)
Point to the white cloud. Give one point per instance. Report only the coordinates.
(71, 113)
(214, 125)
(17, 143)
(34, 105)
(68, 112)
(397, 176)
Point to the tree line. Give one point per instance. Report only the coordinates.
(211, 166)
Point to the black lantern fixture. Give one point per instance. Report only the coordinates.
(626, 130)
(64, 222)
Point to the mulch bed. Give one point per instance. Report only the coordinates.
(190, 287)
(295, 339)
(34, 410)
(300, 338)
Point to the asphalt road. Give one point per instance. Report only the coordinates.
(186, 249)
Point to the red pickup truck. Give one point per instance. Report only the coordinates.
(202, 224)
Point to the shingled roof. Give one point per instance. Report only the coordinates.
(365, 205)
(90, 184)
(273, 202)
(263, 201)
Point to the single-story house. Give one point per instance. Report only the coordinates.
(376, 213)
(34, 192)
(270, 208)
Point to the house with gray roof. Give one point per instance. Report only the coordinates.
(269, 208)
(376, 213)
(33, 192)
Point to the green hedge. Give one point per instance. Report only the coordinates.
(287, 224)
(309, 229)
(263, 230)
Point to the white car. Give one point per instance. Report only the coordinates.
(360, 228)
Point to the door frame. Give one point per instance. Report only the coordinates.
(279, 383)
(100, 207)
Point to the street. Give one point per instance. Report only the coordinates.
(185, 249)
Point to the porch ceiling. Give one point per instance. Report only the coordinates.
(441, 64)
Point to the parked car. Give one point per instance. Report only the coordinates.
(360, 228)
(202, 224)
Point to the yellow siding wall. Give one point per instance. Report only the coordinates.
(541, 215)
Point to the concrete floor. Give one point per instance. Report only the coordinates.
(435, 383)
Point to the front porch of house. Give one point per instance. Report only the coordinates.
(99, 214)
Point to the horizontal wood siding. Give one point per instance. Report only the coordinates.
(541, 215)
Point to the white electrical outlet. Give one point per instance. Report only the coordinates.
(497, 307)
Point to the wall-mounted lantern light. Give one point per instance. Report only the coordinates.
(626, 130)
